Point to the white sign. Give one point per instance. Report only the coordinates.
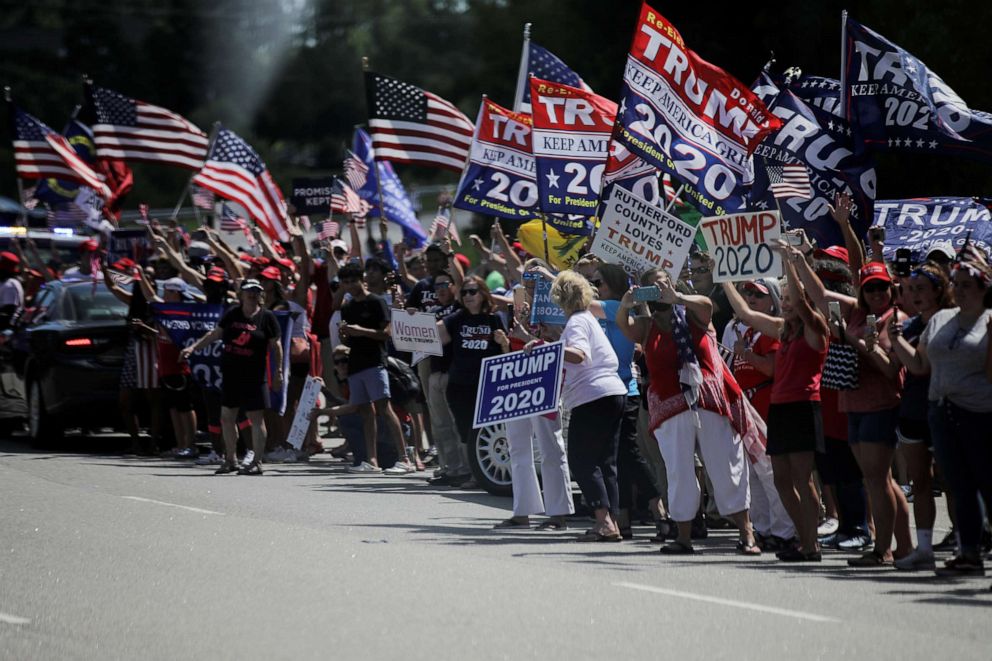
(301, 421)
(741, 245)
(416, 332)
(638, 236)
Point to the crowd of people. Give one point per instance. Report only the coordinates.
(806, 412)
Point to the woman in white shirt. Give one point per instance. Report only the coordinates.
(595, 395)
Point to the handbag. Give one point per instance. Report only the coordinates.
(840, 369)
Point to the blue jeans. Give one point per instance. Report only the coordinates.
(962, 444)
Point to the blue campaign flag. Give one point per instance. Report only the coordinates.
(895, 103)
(521, 384)
(544, 310)
(396, 203)
(920, 223)
(500, 177)
(570, 224)
(542, 63)
(188, 322)
(821, 142)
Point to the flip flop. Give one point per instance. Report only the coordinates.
(593, 536)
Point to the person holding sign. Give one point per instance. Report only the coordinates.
(474, 332)
(691, 399)
(795, 424)
(596, 397)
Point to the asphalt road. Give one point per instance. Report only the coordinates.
(104, 556)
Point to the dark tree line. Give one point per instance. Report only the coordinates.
(286, 74)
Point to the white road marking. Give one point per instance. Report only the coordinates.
(13, 619)
(182, 507)
(812, 617)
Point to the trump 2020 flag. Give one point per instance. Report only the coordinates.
(821, 143)
(539, 62)
(572, 130)
(920, 223)
(500, 177)
(395, 203)
(689, 118)
(895, 103)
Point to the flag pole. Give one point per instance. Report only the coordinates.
(375, 163)
(668, 207)
(843, 63)
(544, 233)
(518, 97)
(21, 215)
(214, 130)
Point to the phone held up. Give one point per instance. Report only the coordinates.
(647, 294)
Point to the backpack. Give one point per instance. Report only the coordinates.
(404, 385)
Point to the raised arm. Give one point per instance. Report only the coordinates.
(819, 293)
(513, 261)
(302, 289)
(232, 264)
(122, 295)
(814, 323)
(356, 242)
(840, 211)
(914, 359)
(763, 323)
(633, 328)
(186, 272)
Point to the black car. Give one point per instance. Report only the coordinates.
(68, 350)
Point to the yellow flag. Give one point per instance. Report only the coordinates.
(563, 249)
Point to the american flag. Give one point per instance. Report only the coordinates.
(235, 172)
(543, 64)
(328, 230)
(409, 125)
(133, 130)
(355, 171)
(442, 224)
(789, 181)
(345, 200)
(203, 198)
(670, 193)
(230, 221)
(41, 153)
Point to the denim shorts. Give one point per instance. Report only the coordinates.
(369, 385)
(874, 427)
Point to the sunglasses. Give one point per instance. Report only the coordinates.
(595, 282)
(441, 285)
(754, 292)
(876, 287)
(469, 292)
(701, 269)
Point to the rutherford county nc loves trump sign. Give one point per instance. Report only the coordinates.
(521, 384)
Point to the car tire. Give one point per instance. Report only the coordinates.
(489, 459)
(43, 427)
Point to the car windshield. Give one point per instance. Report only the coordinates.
(96, 304)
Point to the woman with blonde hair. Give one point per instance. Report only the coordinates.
(596, 396)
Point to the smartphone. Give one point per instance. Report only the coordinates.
(903, 262)
(513, 319)
(531, 275)
(876, 234)
(834, 309)
(871, 327)
(645, 294)
(794, 240)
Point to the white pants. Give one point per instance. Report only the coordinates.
(451, 452)
(527, 499)
(723, 457)
(768, 514)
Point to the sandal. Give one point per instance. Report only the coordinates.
(513, 523)
(666, 528)
(869, 559)
(254, 468)
(627, 533)
(677, 548)
(593, 536)
(226, 468)
(748, 549)
(553, 524)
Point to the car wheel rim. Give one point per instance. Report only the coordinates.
(34, 410)
(493, 454)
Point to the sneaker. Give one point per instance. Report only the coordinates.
(279, 455)
(949, 543)
(962, 566)
(301, 456)
(699, 527)
(364, 468)
(400, 468)
(855, 543)
(916, 561)
(828, 527)
(249, 457)
(212, 459)
(187, 453)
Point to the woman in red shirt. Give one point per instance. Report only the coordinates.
(795, 424)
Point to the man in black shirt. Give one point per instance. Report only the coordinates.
(364, 328)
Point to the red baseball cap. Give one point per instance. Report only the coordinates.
(217, 274)
(833, 252)
(124, 264)
(758, 286)
(9, 262)
(271, 273)
(89, 246)
(463, 260)
(286, 263)
(875, 271)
